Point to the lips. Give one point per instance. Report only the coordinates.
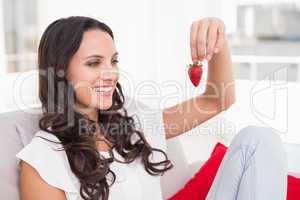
(106, 91)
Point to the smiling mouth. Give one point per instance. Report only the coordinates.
(104, 91)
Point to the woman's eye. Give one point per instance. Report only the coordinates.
(96, 63)
(115, 62)
(93, 64)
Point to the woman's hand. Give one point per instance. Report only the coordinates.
(207, 38)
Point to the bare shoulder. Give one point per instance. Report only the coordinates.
(33, 187)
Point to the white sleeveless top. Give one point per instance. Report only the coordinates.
(132, 181)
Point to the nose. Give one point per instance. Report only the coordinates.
(108, 74)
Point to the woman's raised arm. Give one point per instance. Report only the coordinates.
(207, 41)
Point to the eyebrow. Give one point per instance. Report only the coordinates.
(100, 56)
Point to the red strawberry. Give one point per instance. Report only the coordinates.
(195, 73)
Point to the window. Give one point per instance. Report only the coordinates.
(20, 34)
(265, 38)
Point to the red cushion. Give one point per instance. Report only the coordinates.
(198, 187)
(293, 192)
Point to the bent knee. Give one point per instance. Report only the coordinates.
(258, 135)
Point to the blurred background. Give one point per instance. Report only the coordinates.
(264, 34)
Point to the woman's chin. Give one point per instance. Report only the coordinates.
(104, 106)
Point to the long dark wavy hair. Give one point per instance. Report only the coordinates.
(58, 44)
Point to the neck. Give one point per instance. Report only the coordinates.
(90, 113)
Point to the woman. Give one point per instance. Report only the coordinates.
(89, 146)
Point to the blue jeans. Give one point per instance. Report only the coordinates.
(254, 168)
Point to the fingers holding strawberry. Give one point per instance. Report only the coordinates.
(207, 38)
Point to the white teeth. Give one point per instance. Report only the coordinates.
(103, 89)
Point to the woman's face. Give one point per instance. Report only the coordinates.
(93, 71)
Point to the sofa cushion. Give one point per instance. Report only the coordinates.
(13, 125)
(199, 185)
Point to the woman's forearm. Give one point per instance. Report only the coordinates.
(220, 78)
